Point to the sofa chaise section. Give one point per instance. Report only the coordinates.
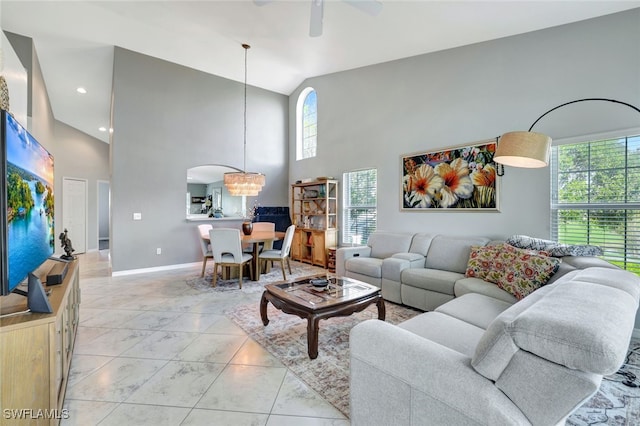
(478, 360)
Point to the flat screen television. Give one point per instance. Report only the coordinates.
(26, 212)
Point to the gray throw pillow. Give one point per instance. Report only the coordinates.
(554, 249)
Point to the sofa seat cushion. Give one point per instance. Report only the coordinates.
(445, 330)
(476, 309)
(369, 266)
(475, 285)
(584, 323)
(431, 279)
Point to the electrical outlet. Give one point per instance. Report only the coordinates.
(158, 250)
(137, 216)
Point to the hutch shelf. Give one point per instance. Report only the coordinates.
(315, 214)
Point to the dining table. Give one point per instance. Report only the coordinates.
(255, 238)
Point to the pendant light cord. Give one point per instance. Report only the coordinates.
(246, 47)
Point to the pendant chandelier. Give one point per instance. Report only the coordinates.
(244, 183)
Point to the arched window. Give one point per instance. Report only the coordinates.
(307, 124)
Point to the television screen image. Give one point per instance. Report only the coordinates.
(30, 238)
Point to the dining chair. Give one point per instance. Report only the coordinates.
(261, 226)
(226, 248)
(203, 234)
(282, 254)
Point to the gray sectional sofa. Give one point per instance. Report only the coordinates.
(480, 356)
(425, 270)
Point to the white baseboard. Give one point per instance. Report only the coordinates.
(154, 269)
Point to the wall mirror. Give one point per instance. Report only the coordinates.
(208, 197)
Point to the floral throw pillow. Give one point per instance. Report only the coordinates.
(521, 272)
(481, 260)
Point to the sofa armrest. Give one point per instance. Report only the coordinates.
(397, 376)
(345, 253)
(392, 268)
(415, 260)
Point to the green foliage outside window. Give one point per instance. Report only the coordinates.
(596, 197)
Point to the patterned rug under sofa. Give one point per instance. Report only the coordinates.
(616, 403)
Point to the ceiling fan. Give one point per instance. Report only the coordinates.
(370, 7)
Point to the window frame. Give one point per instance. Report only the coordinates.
(622, 251)
(300, 124)
(347, 207)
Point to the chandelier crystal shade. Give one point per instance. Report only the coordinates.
(244, 183)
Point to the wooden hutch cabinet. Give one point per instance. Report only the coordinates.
(315, 214)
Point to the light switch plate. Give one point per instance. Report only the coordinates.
(137, 216)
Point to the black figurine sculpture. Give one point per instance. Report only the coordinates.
(66, 245)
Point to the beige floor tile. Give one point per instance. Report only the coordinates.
(244, 388)
(152, 415)
(178, 384)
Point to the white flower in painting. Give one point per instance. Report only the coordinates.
(421, 186)
(457, 183)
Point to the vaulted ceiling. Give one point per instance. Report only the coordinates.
(74, 39)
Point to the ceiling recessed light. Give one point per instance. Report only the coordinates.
(81, 90)
(102, 129)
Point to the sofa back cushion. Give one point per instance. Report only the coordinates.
(583, 321)
(386, 244)
(421, 242)
(452, 253)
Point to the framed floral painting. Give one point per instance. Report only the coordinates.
(461, 178)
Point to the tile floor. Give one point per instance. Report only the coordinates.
(152, 351)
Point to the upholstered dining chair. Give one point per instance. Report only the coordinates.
(282, 254)
(226, 247)
(203, 236)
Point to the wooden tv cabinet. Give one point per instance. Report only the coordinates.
(35, 353)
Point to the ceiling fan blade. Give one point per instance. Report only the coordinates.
(315, 23)
(370, 7)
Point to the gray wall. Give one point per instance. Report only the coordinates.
(104, 211)
(75, 153)
(168, 118)
(370, 116)
(83, 157)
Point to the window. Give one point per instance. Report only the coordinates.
(595, 197)
(360, 198)
(307, 127)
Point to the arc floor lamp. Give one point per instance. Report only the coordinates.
(530, 149)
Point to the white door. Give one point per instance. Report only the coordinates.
(74, 212)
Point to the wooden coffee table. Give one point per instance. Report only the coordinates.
(342, 297)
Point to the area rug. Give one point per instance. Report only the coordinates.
(617, 402)
(298, 270)
(285, 337)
